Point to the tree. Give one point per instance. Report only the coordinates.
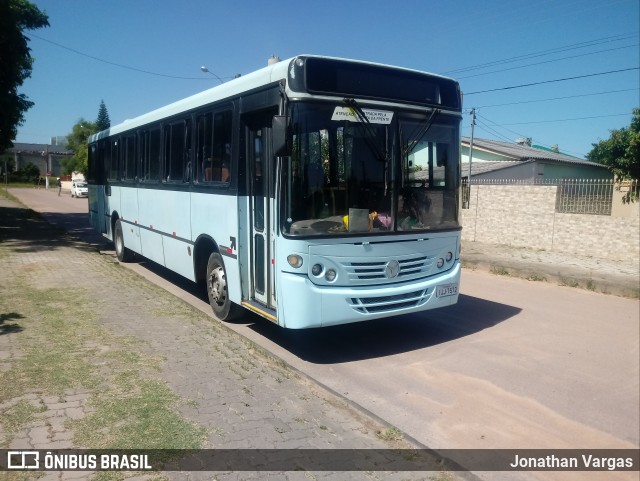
(77, 143)
(103, 122)
(16, 63)
(621, 151)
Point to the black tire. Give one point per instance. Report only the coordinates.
(123, 254)
(216, 283)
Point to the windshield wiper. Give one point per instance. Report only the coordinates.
(370, 134)
(419, 132)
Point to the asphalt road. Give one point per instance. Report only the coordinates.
(516, 364)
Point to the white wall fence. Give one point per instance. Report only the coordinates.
(593, 218)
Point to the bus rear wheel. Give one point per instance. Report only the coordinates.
(217, 290)
(123, 254)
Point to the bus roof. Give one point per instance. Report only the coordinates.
(264, 76)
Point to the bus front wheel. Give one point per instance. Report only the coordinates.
(123, 254)
(217, 289)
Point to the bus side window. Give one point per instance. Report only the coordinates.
(222, 145)
(176, 151)
(204, 141)
(129, 158)
(114, 158)
(213, 147)
(154, 155)
(143, 146)
(150, 155)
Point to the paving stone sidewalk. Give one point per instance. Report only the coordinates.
(241, 396)
(598, 274)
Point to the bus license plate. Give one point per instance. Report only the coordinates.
(447, 290)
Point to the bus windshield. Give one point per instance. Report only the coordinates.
(357, 170)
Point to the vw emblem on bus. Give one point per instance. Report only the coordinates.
(392, 269)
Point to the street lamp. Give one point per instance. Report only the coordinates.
(206, 70)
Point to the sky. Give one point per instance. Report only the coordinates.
(137, 55)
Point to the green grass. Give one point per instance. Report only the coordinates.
(499, 271)
(390, 434)
(52, 336)
(442, 476)
(4, 193)
(144, 419)
(23, 185)
(536, 277)
(18, 415)
(63, 348)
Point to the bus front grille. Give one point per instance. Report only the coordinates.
(374, 270)
(371, 305)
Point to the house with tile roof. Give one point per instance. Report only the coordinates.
(496, 160)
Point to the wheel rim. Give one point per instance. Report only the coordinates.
(218, 286)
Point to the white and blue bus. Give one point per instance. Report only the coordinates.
(316, 191)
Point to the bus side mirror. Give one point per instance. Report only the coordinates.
(280, 136)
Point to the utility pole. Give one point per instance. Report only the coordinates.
(468, 188)
(473, 123)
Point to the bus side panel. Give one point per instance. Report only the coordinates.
(217, 216)
(113, 205)
(151, 206)
(244, 245)
(129, 214)
(175, 224)
(94, 214)
(178, 257)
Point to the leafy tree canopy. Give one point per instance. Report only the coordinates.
(16, 16)
(103, 121)
(621, 151)
(77, 142)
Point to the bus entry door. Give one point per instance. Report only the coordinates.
(262, 218)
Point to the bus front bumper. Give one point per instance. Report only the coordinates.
(303, 304)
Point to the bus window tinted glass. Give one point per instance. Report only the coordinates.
(129, 157)
(427, 198)
(176, 150)
(345, 176)
(150, 155)
(113, 164)
(340, 174)
(213, 147)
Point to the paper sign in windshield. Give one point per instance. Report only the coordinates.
(373, 116)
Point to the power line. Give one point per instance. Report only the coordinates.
(518, 134)
(542, 53)
(552, 81)
(557, 98)
(567, 120)
(115, 64)
(489, 130)
(546, 61)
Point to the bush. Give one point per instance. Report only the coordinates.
(28, 173)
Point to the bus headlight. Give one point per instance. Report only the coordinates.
(440, 263)
(294, 261)
(449, 256)
(317, 269)
(330, 275)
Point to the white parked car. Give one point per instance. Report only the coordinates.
(79, 189)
